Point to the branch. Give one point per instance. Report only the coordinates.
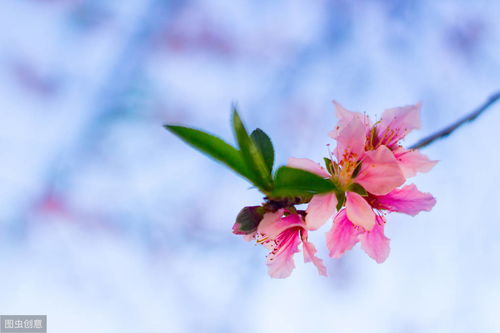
(451, 128)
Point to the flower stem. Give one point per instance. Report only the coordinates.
(451, 128)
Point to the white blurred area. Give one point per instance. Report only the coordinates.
(110, 224)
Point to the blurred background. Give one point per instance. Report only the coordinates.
(108, 223)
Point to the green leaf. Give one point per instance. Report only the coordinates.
(329, 165)
(355, 187)
(265, 146)
(213, 147)
(261, 175)
(296, 182)
(340, 200)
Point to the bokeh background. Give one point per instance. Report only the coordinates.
(108, 223)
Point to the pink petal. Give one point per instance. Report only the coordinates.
(380, 171)
(293, 220)
(412, 161)
(310, 254)
(351, 140)
(343, 235)
(344, 116)
(408, 200)
(274, 223)
(374, 242)
(398, 121)
(308, 165)
(359, 211)
(269, 224)
(280, 262)
(320, 209)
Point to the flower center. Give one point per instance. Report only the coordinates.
(373, 140)
(345, 171)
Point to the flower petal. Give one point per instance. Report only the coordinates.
(374, 242)
(269, 225)
(351, 140)
(320, 209)
(359, 211)
(280, 262)
(408, 200)
(310, 254)
(344, 116)
(343, 235)
(395, 123)
(274, 223)
(380, 171)
(308, 165)
(412, 161)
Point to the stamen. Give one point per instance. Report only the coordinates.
(262, 240)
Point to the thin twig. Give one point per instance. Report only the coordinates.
(451, 128)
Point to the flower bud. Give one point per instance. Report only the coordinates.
(248, 220)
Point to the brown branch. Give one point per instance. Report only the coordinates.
(451, 128)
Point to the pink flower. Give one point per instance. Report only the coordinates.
(345, 233)
(368, 168)
(393, 126)
(282, 232)
(377, 171)
(368, 158)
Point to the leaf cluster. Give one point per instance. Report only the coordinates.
(253, 158)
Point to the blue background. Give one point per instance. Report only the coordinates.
(108, 223)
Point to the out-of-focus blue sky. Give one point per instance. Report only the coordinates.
(110, 224)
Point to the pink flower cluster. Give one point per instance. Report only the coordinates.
(369, 167)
